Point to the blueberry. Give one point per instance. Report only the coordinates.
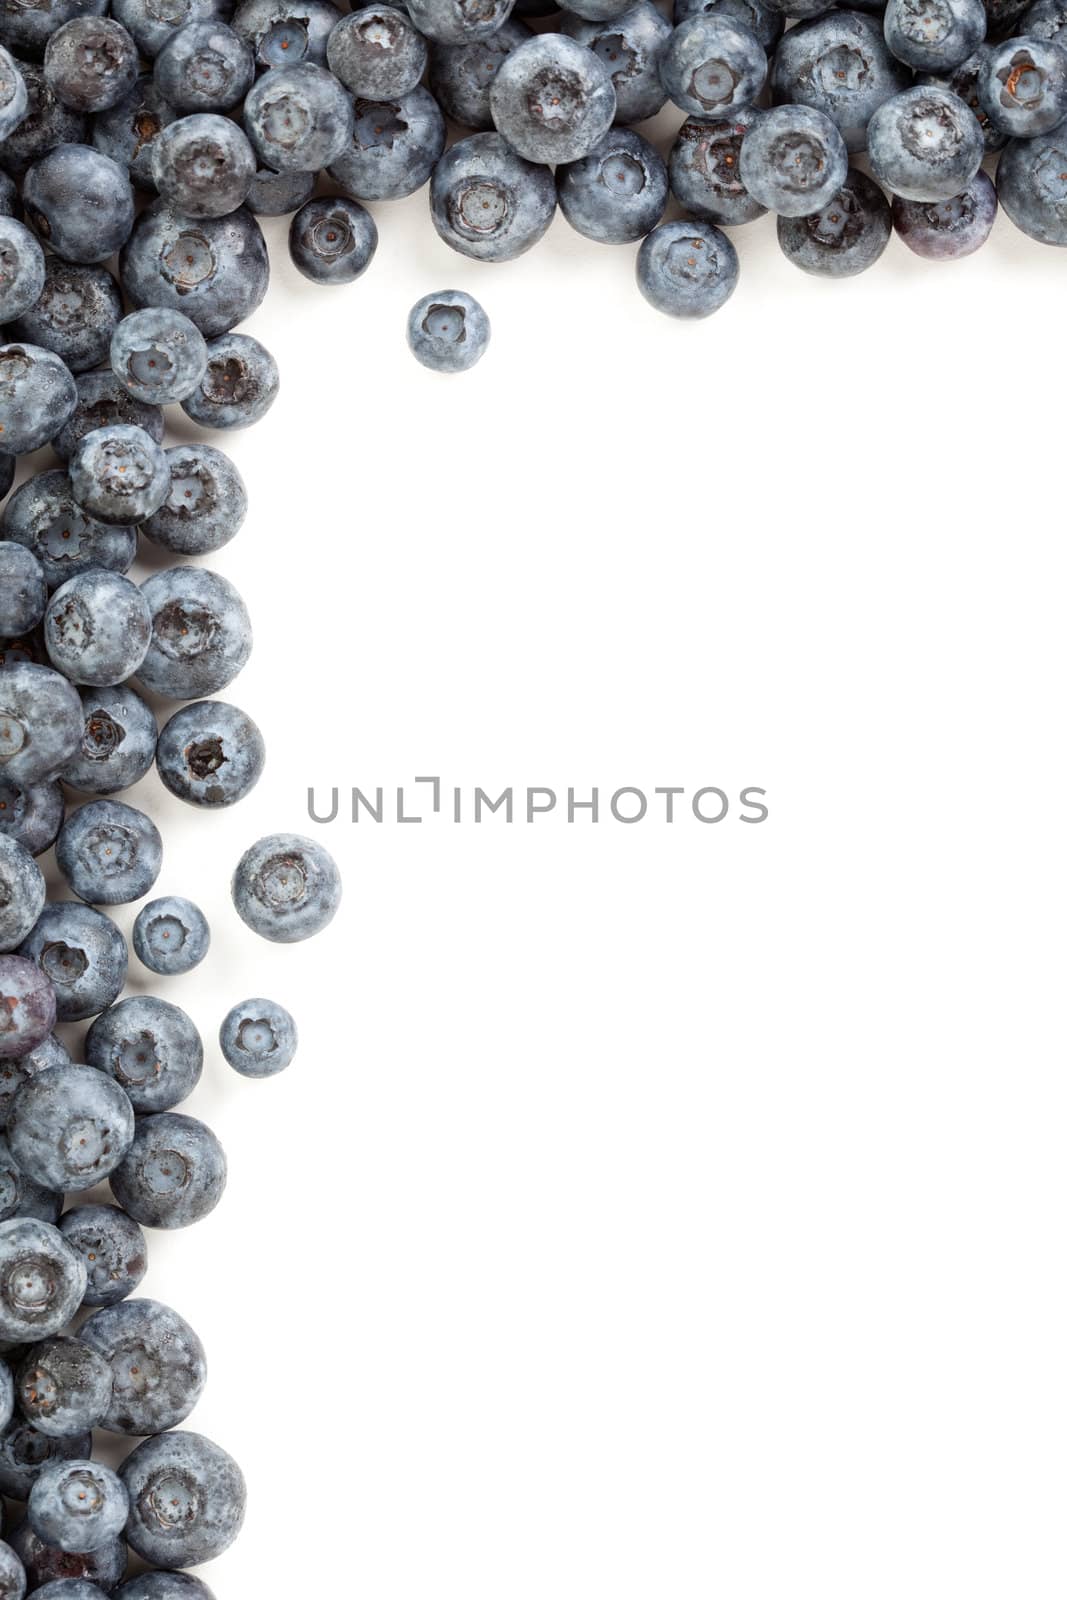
(239, 386)
(20, 1196)
(173, 1174)
(153, 24)
(69, 1128)
(487, 202)
(298, 119)
(97, 627)
(69, 1589)
(1045, 19)
(102, 401)
(90, 63)
(258, 1038)
(925, 144)
(276, 194)
(206, 505)
(150, 1047)
(203, 165)
(105, 1567)
(83, 955)
(687, 269)
(63, 1388)
(376, 53)
(163, 1586)
(934, 35)
(109, 853)
(25, 28)
(793, 160)
(754, 15)
(187, 1500)
(37, 396)
(461, 75)
(24, 1453)
(552, 99)
(13, 1074)
(1032, 187)
(113, 1248)
(711, 66)
(448, 331)
(285, 33)
(74, 316)
(21, 269)
(127, 132)
(458, 21)
(802, 10)
(631, 46)
(23, 591)
(31, 813)
(78, 1505)
(45, 125)
(945, 230)
(205, 66)
(332, 241)
(12, 1575)
(40, 723)
(213, 269)
(157, 1365)
(1022, 87)
(119, 475)
(964, 82)
(618, 192)
(201, 634)
(210, 754)
(286, 888)
(43, 516)
(840, 65)
(705, 169)
(171, 935)
(846, 237)
(42, 1281)
(159, 356)
(80, 202)
(14, 98)
(394, 147)
(22, 892)
(599, 11)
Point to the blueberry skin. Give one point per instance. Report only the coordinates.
(711, 66)
(793, 160)
(286, 888)
(171, 936)
(21, 269)
(486, 202)
(687, 269)
(239, 386)
(448, 331)
(43, 516)
(159, 356)
(947, 230)
(74, 316)
(41, 1280)
(97, 628)
(705, 169)
(163, 1586)
(102, 402)
(173, 1174)
(152, 25)
(90, 63)
(618, 192)
(151, 1048)
(840, 65)
(201, 633)
(80, 202)
(7, 1402)
(113, 1248)
(208, 1486)
(32, 813)
(332, 241)
(210, 754)
(277, 194)
(925, 144)
(45, 125)
(461, 75)
(298, 119)
(24, 1453)
(14, 98)
(40, 723)
(203, 165)
(105, 1567)
(1022, 87)
(802, 10)
(1032, 188)
(13, 1074)
(69, 1589)
(846, 237)
(599, 11)
(157, 1363)
(754, 15)
(205, 66)
(23, 591)
(631, 47)
(258, 1038)
(78, 1505)
(552, 100)
(127, 132)
(206, 505)
(394, 147)
(37, 396)
(69, 1128)
(25, 29)
(109, 853)
(376, 53)
(83, 954)
(934, 35)
(20, 1196)
(458, 21)
(12, 1575)
(22, 893)
(213, 269)
(963, 82)
(1045, 19)
(119, 475)
(286, 33)
(63, 1388)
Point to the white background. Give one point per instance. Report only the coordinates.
(650, 1211)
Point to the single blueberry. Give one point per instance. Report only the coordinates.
(97, 627)
(618, 192)
(840, 65)
(394, 147)
(40, 723)
(1022, 87)
(201, 633)
(42, 1281)
(12, 1575)
(258, 1038)
(299, 119)
(793, 160)
(487, 202)
(210, 754)
(946, 230)
(113, 1248)
(119, 474)
(173, 1174)
(458, 21)
(22, 892)
(705, 169)
(239, 385)
(31, 813)
(332, 241)
(109, 853)
(461, 75)
(213, 269)
(203, 165)
(23, 590)
(934, 35)
(22, 269)
(376, 53)
(101, 402)
(712, 66)
(552, 99)
(206, 505)
(285, 33)
(78, 1505)
(63, 1388)
(90, 63)
(69, 1128)
(37, 396)
(277, 194)
(187, 1500)
(118, 741)
(846, 237)
(82, 953)
(24, 1453)
(204, 66)
(158, 355)
(43, 515)
(157, 1363)
(105, 1566)
(925, 144)
(150, 1047)
(286, 888)
(74, 316)
(448, 331)
(687, 269)
(1032, 187)
(162, 1586)
(631, 47)
(171, 935)
(80, 202)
